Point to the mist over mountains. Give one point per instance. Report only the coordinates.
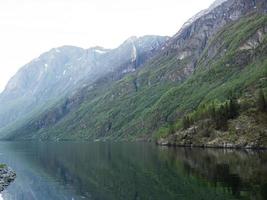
(60, 71)
(143, 88)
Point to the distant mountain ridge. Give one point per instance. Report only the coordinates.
(219, 52)
(61, 70)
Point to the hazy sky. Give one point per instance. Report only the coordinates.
(31, 27)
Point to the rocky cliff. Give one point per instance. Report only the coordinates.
(189, 43)
(221, 51)
(60, 71)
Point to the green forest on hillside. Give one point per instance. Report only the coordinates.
(148, 104)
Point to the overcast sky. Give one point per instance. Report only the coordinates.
(31, 27)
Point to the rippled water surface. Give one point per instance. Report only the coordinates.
(113, 171)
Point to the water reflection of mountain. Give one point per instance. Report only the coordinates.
(122, 171)
(32, 181)
(242, 172)
(143, 171)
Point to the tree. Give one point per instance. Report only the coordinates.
(261, 101)
(186, 122)
(172, 128)
(233, 108)
(221, 117)
(212, 110)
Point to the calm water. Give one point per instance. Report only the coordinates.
(104, 171)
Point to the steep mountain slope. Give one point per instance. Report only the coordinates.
(234, 66)
(224, 50)
(60, 71)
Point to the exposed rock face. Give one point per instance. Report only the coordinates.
(7, 175)
(188, 44)
(203, 12)
(254, 41)
(61, 70)
(176, 60)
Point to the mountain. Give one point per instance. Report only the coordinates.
(57, 73)
(216, 60)
(203, 12)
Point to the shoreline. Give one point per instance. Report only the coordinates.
(207, 146)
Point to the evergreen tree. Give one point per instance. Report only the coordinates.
(233, 108)
(224, 116)
(261, 101)
(172, 128)
(212, 111)
(186, 122)
(221, 117)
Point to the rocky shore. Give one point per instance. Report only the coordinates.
(223, 144)
(245, 132)
(219, 140)
(7, 175)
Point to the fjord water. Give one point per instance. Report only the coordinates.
(107, 171)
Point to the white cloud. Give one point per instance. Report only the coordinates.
(30, 27)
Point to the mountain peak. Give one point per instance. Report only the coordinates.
(131, 39)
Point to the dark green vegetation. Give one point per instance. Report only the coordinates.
(261, 101)
(238, 121)
(63, 71)
(153, 100)
(2, 166)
